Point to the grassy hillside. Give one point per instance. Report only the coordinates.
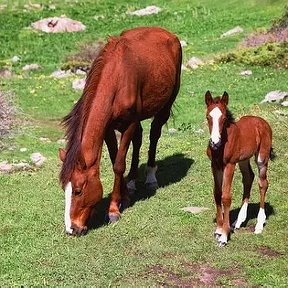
(155, 243)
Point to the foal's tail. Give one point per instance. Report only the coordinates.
(272, 154)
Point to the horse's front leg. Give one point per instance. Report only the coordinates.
(119, 193)
(226, 201)
(218, 179)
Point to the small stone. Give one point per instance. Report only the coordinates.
(194, 210)
(246, 73)
(61, 141)
(233, 31)
(284, 103)
(37, 159)
(5, 167)
(52, 7)
(61, 74)
(23, 149)
(172, 130)
(183, 43)
(195, 62)
(21, 166)
(80, 72)
(79, 84)
(15, 59)
(146, 11)
(183, 67)
(31, 67)
(44, 139)
(5, 73)
(199, 131)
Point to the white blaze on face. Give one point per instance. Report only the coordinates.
(67, 219)
(215, 134)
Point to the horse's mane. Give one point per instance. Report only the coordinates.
(75, 121)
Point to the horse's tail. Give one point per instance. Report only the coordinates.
(272, 154)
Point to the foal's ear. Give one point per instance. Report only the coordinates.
(208, 98)
(225, 98)
(61, 154)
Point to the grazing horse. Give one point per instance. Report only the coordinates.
(136, 76)
(230, 143)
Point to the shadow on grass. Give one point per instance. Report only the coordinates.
(170, 170)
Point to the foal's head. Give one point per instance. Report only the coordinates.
(216, 115)
(83, 190)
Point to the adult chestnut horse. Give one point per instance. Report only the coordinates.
(135, 77)
(230, 143)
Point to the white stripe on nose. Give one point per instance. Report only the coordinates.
(67, 219)
(215, 134)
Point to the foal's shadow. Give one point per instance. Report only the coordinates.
(252, 213)
(170, 170)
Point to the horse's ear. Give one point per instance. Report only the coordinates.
(208, 98)
(225, 98)
(61, 154)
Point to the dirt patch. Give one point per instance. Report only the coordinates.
(195, 275)
(268, 252)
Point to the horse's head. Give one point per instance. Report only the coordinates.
(216, 115)
(83, 191)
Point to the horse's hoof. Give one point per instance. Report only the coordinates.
(258, 231)
(113, 218)
(152, 186)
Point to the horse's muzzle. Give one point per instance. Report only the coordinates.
(78, 231)
(213, 145)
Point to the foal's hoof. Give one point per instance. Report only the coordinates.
(113, 218)
(152, 186)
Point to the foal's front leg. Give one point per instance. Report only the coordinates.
(218, 179)
(226, 201)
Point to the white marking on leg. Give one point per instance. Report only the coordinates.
(67, 219)
(131, 186)
(215, 134)
(151, 178)
(261, 218)
(241, 216)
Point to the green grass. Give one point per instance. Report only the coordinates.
(155, 243)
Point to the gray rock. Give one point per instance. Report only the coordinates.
(58, 25)
(194, 210)
(246, 73)
(31, 67)
(146, 11)
(15, 59)
(61, 74)
(284, 103)
(195, 62)
(183, 43)
(38, 159)
(23, 149)
(172, 130)
(5, 167)
(275, 96)
(78, 84)
(233, 31)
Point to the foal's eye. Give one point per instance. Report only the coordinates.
(77, 191)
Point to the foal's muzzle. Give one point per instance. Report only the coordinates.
(214, 145)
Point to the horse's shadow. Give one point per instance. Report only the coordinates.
(170, 170)
(252, 213)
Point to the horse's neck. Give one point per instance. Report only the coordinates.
(100, 113)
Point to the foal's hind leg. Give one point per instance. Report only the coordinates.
(133, 173)
(159, 120)
(263, 186)
(247, 180)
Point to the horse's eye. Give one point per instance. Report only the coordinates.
(77, 192)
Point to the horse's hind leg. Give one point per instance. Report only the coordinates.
(133, 173)
(159, 120)
(263, 186)
(247, 180)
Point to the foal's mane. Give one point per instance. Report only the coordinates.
(76, 120)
